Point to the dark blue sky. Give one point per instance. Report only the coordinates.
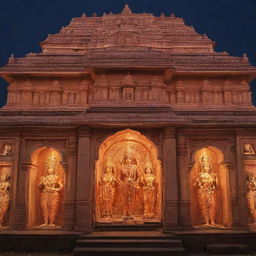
(24, 23)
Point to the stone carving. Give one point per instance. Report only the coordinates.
(251, 196)
(210, 196)
(248, 149)
(128, 176)
(5, 171)
(207, 182)
(128, 93)
(250, 177)
(51, 185)
(108, 192)
(6, 149)
(148, 181)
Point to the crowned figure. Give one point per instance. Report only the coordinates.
(251, 196)
(4, 191)
(129, 180)
(108, 191)
(207, 182)
(148, 181)
(51, 184)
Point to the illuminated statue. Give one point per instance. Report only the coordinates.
(129, 183)
(51, 185)
(4, 192)
(149, 193)
(108, 191)
(251, 196)
(207, 183)
(248, 149)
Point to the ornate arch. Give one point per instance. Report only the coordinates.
(111, 154)
(39, 145)
(202, 145)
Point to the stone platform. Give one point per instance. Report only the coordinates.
(129, 243)
(218, 242)
(16, 241)
(190, 243)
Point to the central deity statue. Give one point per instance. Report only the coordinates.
(207, 183)
(129, 180)
(51, 184)
(4, 192)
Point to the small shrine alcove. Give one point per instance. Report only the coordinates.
(128, 180)
(210, 190)
(45, 197)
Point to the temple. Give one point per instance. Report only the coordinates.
(128, 125)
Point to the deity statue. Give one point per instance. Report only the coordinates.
(149, 193)
(251, 196)
(129, 177)
(248, 149)
(207, 183)
(4, 192)
(108, 192)
(51, 185)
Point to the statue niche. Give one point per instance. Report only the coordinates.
(46, 183)
(210, 198)
(5, 175)
(250, 177)
(128, 180)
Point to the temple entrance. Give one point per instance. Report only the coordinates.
(128, 180)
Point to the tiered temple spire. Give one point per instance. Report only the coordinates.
(126, 9)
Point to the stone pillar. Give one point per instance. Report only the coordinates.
(170, 217)
(20, 216)
(184, 182)
(70, 186)
(242, 212)
(83, 182)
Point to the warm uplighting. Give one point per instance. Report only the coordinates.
(128, 180)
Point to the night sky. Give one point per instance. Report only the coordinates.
(25, 23)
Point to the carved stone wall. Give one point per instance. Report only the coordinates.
(48, 93)
(80, 148)
(126, 89)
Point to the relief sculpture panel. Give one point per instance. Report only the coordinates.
(5, 175)
(6, 163)
(128, 180)
(250, 180)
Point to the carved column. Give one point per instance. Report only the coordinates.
(21, 208)
(70, 186)
(184, 182)
(170, 180)
(83, 182)
(241, 186)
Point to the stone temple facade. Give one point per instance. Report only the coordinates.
(128, 122)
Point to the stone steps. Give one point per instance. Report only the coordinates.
(129, 243)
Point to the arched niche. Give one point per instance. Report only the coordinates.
(210, 194)
(112, 153)
(37, 171)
